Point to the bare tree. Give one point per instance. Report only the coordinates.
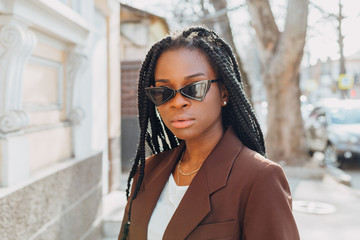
(281, 54)
(339, 17)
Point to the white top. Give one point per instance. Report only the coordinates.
(168, 202)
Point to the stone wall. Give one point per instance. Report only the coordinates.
(62, 202)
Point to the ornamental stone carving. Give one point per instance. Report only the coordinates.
(76, 115)
(10, 35)
(13, 121)
(75, 65)
(16, 45)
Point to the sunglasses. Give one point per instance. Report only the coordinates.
(196, 91)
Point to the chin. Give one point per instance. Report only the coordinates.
(183, 133)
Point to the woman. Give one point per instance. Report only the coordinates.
(208, 177)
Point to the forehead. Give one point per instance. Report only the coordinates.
(183, 62)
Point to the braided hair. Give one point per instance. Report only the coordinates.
(238, 113)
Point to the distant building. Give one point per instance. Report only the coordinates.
(59, 116)
(139, 31)
(322, 79)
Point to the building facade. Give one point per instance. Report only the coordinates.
(59, 116)
(322, 79)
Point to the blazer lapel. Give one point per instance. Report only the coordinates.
(212, 176)
(150, 191)
(194, 206)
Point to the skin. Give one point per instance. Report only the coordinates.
(198, 123)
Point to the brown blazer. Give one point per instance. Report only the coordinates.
(237, 194)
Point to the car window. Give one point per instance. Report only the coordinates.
(345, 115)
(315, 113)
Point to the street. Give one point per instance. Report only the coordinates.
(325, 208)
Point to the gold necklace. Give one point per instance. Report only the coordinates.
(182, 173)
(187, 181)
(179, 170)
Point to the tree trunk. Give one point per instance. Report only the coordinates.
(281, 56)
(285, 135)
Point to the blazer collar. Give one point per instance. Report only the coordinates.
(162, 173)
(195, 204)
(150, 191)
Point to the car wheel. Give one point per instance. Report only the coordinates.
(331, 157)
(308, 149)
(311, 153)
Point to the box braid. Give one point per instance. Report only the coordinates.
(237, 113)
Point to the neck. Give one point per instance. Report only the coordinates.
(198, 150)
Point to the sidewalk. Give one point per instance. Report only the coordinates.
(342, 203)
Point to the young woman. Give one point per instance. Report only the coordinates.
(208, 177)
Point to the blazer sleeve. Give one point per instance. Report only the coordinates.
(268, 213)
(126, 211)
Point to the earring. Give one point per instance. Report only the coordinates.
(224, 103)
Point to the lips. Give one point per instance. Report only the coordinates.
(180, 122)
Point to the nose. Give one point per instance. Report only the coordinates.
(179, 101)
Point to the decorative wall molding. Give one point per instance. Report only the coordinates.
(76, 115)
(58, 105)
(16, 45)
(75, 65)
(52, 17)
(13, 121)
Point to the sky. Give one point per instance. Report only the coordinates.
(322, 42)
(322, 32)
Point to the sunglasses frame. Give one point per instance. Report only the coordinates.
(173, 91)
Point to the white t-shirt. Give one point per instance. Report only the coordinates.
(168, 202)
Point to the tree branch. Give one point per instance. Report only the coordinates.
(262, 19)
(292, 39)
(322, 11)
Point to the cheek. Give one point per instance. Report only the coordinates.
(163, 113)
(214, 98)
(211, 111)
(210, 108)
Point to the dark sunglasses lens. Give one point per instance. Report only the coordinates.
(196, 90)
(159, 95)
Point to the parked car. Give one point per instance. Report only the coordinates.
(333, 128)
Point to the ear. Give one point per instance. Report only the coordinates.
(224, 95)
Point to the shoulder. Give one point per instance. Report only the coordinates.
(245, 160)
(260, 177)
(255, 166)
(156, 160)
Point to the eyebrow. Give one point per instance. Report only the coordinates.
(186, 78)
(194, 75)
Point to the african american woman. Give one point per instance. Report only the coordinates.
(208, 177)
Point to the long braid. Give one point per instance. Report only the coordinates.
(243, 108)
(145, 114)
(237, 113)
(250, 115)
(248, 106)
(155, 127)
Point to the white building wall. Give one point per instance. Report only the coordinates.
(99, 85)
(53, 118)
